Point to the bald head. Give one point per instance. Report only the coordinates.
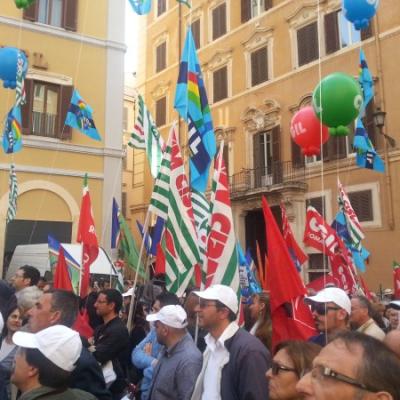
(392, 340)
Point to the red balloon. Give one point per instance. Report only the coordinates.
(308, 132)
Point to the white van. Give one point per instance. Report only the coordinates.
(37, 255)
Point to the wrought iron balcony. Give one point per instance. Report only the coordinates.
(268, 178)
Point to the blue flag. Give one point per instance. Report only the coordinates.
(366, 81)
(12, 134)
(79, 116)
(141, 7)
(192, 105)
(156, 235)
(115, 230)
(147, 237)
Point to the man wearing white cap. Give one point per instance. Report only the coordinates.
(234, 362)
(44, 362)
(180, 362)
(331, 308)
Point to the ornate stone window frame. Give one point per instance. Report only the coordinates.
(214, 4)
(262, 37)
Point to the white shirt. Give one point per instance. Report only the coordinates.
(219, 356)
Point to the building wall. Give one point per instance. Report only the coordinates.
(91, 60)
(249, 110)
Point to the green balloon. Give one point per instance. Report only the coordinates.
(23, 3)
(337, 101)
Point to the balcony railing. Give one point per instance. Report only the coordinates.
(279, 173)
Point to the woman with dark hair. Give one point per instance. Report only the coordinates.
(12, 323)
(292, 360)
(261, 316)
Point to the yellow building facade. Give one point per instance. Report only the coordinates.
(70, 45)
(261, 62)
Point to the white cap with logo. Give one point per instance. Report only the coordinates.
(224, 294)
(173, 316)
(59, 344)
(332, 295)
(129, 292)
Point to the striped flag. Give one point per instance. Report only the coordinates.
(146, 136)
(352, 222)
(12, 134)
(221, 257)
(20, 94)
(13, 195)
(171, 200)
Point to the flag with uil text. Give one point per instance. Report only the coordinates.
(12, 134)
(13, 194)
(221, 261)
(146, 136)
(171, 200)
(80, 116)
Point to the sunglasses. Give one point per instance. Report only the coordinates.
(275, 368)
(322, 308)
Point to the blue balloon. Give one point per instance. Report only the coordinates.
(8, 65)
(359, 12)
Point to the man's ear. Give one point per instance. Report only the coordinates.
(383, 396)
(342, 314)
(32, 372)
(55, 317)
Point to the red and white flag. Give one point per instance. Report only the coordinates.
(86, 236)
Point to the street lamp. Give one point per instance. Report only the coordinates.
(379, 122)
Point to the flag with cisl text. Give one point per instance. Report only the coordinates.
(87, 236)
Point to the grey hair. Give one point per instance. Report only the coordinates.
(28, 297)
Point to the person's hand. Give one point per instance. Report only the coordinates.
(148, 347)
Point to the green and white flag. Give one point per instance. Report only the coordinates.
(171, 199)
(185, 2)
(13, 194)
(146, 136)
(221, 260)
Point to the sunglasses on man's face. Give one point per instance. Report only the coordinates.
(322, 308)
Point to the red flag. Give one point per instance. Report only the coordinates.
(87, 236)
(160, 261)
(297, 254)
(82, 326)
(291, 318)
(396, 280)
(262, 275)
(62, 280)
(319, 283)
(365, 288)
(341, 272)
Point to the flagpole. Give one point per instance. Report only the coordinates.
(179, 53)
(145, 226)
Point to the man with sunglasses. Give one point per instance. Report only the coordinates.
(331, 308)
(353, 366)
(234, 362)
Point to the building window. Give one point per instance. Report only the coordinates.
(318, 266)
(161, 57)
(318, 203)
(219, 21)
(259, 66)
(125, 117)
(161, 7)
(60, 13)
(45, 109)
(220, 84)
(161, 111)
(307, 44)
(123, 203)
(196, 33)
(361, 202)
(252, 8)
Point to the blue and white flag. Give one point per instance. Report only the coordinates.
(79, 116)
(141, 7)
(12, 134)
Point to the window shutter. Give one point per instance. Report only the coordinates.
(367, 33)
(26, 109)
(161, 53)
(196, 33)
(31, 13)
(257, 160)
(268, 4)
(276, 155)
(219, 21)
(161, 7)
(362, 204)
(332, 32)
(225, 156)
(307, 43)
(245, 9)
(259, 66)
(297, 156)
(161, 106)
(220, 84)
(70, 15)
(64, 132)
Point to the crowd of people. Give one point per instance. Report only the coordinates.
(191, 347)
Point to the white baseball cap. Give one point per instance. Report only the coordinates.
(172, 315)
(225, 294)
(334, 295)
(1, 322)
(129, 292)
(59, 344)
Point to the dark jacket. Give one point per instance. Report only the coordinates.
(47, 393)
(88, 376)
(111, 341)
